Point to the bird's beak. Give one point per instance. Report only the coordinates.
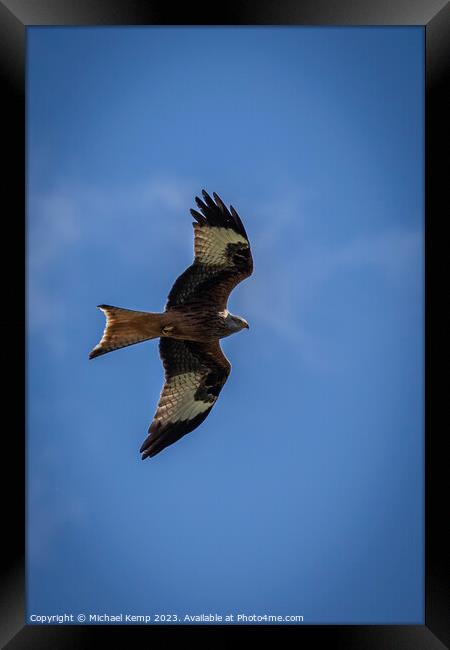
(247, 326)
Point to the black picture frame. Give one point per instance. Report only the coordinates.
(15, 17)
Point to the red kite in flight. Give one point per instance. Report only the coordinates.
(190, 328)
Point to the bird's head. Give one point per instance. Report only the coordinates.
(239, 323)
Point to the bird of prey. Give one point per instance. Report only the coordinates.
(194, 320)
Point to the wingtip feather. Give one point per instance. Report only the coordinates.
(197, 216)
(216, 214)
(96, 352)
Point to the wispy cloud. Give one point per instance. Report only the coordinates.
(61, 218)
(76, 214)
(280, 295)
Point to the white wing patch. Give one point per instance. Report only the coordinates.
(211, 243)
(177, 402)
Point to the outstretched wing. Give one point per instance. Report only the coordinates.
(194, 376)
(222, 257)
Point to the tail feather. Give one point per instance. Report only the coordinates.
(126, 327)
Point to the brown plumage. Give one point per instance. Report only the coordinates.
(194, 320)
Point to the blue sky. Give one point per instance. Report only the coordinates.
(302, 491)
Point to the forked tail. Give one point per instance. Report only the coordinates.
(126, 327)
